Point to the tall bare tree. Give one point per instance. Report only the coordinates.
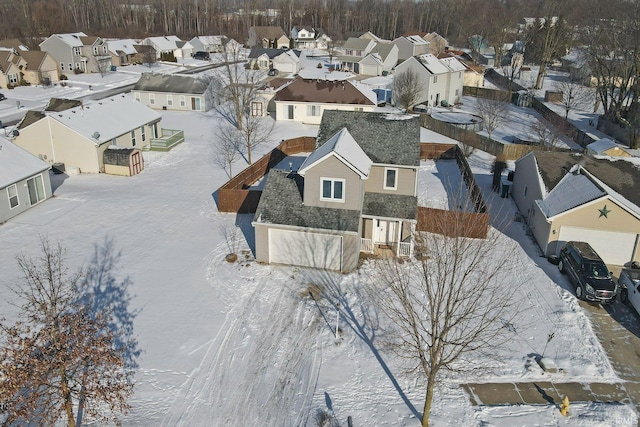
(493, 111)
(61, 360)
(547, 40)
(452, 306)
(407, 88)
(574, 96)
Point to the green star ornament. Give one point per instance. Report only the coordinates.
(604, 212)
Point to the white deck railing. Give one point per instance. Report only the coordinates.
(366, 245)
(404, 249)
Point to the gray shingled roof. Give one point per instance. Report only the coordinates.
(386, 138)
(571, 191)
(281, 203)
(390, 205)
(171, 83)
(623, 177)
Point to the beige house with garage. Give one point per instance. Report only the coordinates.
(78, 134)
(564, 197)
(356, 192)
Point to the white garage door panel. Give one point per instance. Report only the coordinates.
(305, 249)
(613, 247)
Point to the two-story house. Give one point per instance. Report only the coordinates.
(122, 51)
(283, 60)
(309, 38)
(78, 52)
(355, 192)
(440, 79)
(355, 50)
(19, 64)
(268, 37)
(368, 57)
(409, 46)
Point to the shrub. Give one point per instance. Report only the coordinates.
(77, 71)
(63, 77)
(319, 65)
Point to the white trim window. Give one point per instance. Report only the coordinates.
(314, 111)
(13, 78)
(390, 179)
(143, 133)
(76, 51)
(133, 138)
(332, 189)
(35, 187)
(62, 66)
(152, 99)
(183, 101)
(136, 96)
(170, 100)
(12, 192)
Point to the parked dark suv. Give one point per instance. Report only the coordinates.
(201, 55)
(587, 272)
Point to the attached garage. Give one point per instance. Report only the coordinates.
(613, 247)
(306, 249)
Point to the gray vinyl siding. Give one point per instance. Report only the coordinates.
(161, 101)
(23, 197)
(406, 181)
(331, 167)
(526, 176)
(262, 243)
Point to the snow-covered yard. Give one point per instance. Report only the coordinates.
(243, 344)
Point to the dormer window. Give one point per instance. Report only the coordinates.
(332, 189)
(390, 179)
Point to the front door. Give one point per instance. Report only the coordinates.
(384, 231)
(290, 110)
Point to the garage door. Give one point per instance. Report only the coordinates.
(305, 249)
(613, 247)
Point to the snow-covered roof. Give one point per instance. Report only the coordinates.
(453, 64)
(417, 40)
(572, 191)
(107, 118)
(122, 45)
(17, 164)
(164, 43)
(432, 63)
(603, 145)
(345, 148)
(209, 40)
(72, 39)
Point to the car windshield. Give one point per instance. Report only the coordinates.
(596, 270)
(634, 275)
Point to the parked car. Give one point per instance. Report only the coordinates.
(272, 72)
(201, 55)
(2, 97)
(629, 283)
(589, 274)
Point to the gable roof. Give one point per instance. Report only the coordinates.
(453, 64)
(281, 203)
(71, 39)
(326, 91)
(357, 43)
(346, 149)
(125, 46)
(386, 138)
(258, 51)
(269, 32)
(602, 145)
(572, 191)
(432, 64)
(620, 176)
(163, 43)
(14, 44)
(172, 83)
(17, 164)
(109, 118)
(384, 49)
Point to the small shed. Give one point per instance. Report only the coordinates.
(123, 161)
(607, 147)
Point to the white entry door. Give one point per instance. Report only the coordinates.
(385, 231)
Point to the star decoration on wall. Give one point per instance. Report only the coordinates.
(604, 212)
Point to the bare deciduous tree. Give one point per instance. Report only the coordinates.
(493, 112)
(574, 96)
(62, 360)
(228, 147)
(407, 88)
(548, 135)
(451, 307)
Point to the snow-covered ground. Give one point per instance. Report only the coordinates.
(243, 344)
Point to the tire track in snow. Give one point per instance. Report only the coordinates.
(261, 368)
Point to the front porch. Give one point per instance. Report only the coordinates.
(382, 236)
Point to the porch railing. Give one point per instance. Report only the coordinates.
(169, 139)
(366, 245)
(404, 249)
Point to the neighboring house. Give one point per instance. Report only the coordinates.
(77, 52)
(173, 92)
(310, 38)
(440, 79)
(370, 36)
(367, 57)
(356, 191)
(409, 46)
(78, 135)
(437, 43)
(24, 180)
(122, 51)
(306, 100)
(19, 64)
(564, 197)
(473, 73)
(285, 61)
(484, 56)
(268, 37)
(163, 45)
(211, 44)
(183, 50)
(606, 147)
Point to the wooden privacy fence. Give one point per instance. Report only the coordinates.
(455, 223)
(236, 196)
